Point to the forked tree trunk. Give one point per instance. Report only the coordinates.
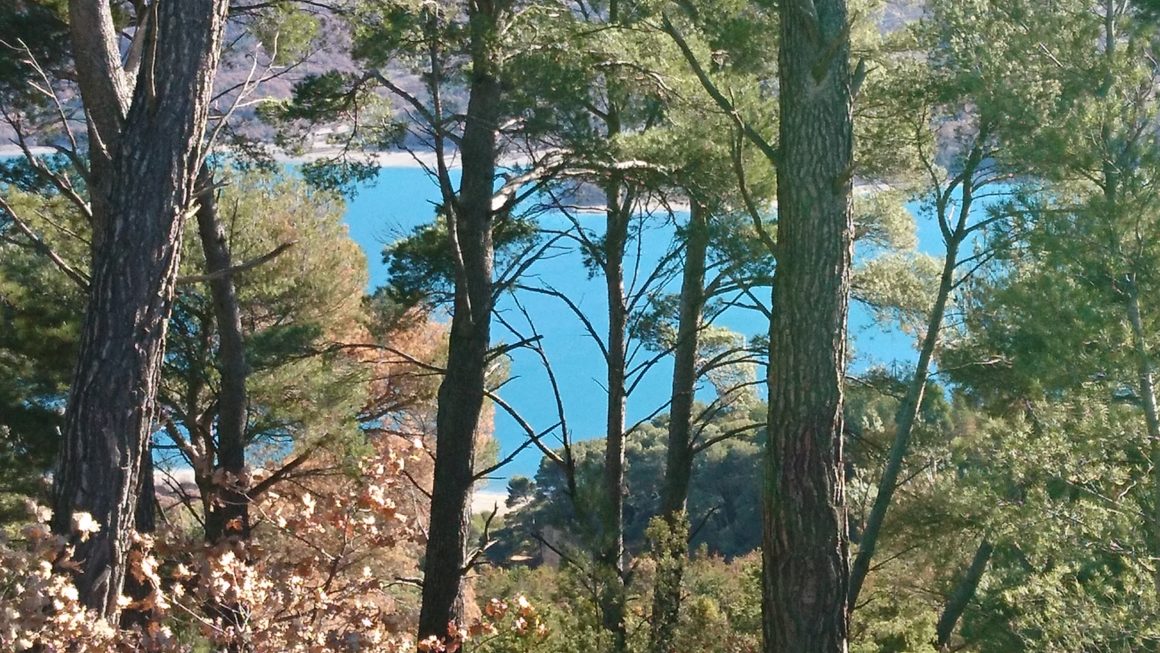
(139, 209)
(805, 548)
(462, 391)
(679, 462)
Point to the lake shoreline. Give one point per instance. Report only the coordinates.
(427, 161)
(392, 159)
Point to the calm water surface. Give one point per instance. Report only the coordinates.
(403, 197)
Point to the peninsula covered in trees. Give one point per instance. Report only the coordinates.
(805, 326)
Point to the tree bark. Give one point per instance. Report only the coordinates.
(462, 391)
(229, 514)
(618, 209)
(805, 546)
(106, 96)
(612, 552)
(138, 588)
(961, 597)
(679, 460)
(139, 215)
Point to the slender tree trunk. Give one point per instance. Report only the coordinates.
(229, 516)
(679, 461)
(1146, 380)
(1151, 414)
(912, 402)
(805, 547)
(904, 426)
(612, 554)
(617, 211)
(962, 595)
(462, 392)
(152, 167)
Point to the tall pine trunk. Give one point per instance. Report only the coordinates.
(146, 184)
(805, 548)
(462, 391)
(673, 551)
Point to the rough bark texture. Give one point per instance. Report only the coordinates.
(106, 93)
(679, 460)
(462, 392)
(912, 402)
(961, 597)
(805, 548)
(138, 218)
(229, 516)
(144, 521)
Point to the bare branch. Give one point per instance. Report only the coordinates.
(715, 93)
(727, 435)
(485, 542)
(239, 268)
(44, 248)
(552, 292)
(284, 471)
(533, 436)
(747, 199)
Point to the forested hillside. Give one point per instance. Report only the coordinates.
(660, 239)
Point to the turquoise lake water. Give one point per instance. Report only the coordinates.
(401, 198)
